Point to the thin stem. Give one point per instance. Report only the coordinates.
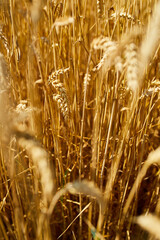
(81, 141)
(109, 129)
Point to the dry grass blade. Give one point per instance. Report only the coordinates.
(150, 223)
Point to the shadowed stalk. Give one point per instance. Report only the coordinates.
(154, 157)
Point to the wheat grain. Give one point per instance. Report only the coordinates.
(60, 22)
(85, 187)
(124, 15)
(150, 223)
(110, 49)
(62, 105)
(40, 159)
(149, 44)
(4, 40)
(100, 8)
(61, 97)
(103, 43)
(87, 79)
(132, 67)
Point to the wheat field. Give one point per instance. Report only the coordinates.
(79, 119)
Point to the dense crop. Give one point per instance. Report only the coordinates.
(79, 119)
